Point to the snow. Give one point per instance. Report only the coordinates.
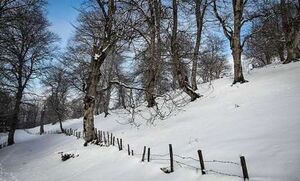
(264, 128)
(96, 56)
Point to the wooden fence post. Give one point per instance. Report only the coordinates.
(244, 167)
(107, 138)
(128, 149)
(118, 143)
(111, 138)
(104, 138)
(113, 141)
(148, 158)
(121, 144)
(201, 162)
(171, 158)
(132, 153)
(100, 136)
(144, 151)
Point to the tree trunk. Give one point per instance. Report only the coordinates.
(292, 45)
(178, 67)
(99, 55)
(42, 120)
(61, 126)
(106, 102)
(291, 29)
(236, 47)
(199, 19)
(89, 100)
(15, 117)
(151, 75)
(280, 52)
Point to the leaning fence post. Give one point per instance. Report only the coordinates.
(128, 149)
(244, 167)
(144, 151)
(118, 144)
(201, 162)
(148, 158)
(171, 158)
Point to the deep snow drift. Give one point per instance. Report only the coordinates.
(259, 119)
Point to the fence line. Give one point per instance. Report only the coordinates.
(105, 138)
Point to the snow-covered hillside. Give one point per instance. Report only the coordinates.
(259, 119)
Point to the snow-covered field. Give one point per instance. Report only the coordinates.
(259, 119)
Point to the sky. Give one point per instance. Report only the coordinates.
(62, 14)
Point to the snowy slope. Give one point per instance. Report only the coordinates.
(264, 127)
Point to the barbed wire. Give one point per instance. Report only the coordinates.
(222, 173)
(153, 157)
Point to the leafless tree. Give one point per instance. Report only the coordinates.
(178, 67)
(58, 86)
(25, 45)
(290, 13)
(232, 22)
(200, 10)
(213, 63)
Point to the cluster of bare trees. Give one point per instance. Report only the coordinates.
(276, 35)
(25, 45)
(128, 53)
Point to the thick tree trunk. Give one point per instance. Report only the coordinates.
(238, 72)
(292, 45)
(99, 55)
(178, 67)
(15, 117)
(151, 75)
(121, 97)
(89, 100)
(236, 47)
(150, 89)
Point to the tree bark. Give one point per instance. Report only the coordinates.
(15, 117)
(234, 36)
(151, 75)
(199, 19)
(236, 47)
(99, 55)
(291, 29)
(42, 120)
(178, 67)
(89, 100)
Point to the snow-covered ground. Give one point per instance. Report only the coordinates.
(259, 119)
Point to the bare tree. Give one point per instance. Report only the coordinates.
(26, 44)
(290, 13)
(101, 47)
(213, 63)
(200, 9)
(241, 15)
(58, 86)
(178, 67)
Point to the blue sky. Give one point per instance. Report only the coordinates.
(62, 14)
